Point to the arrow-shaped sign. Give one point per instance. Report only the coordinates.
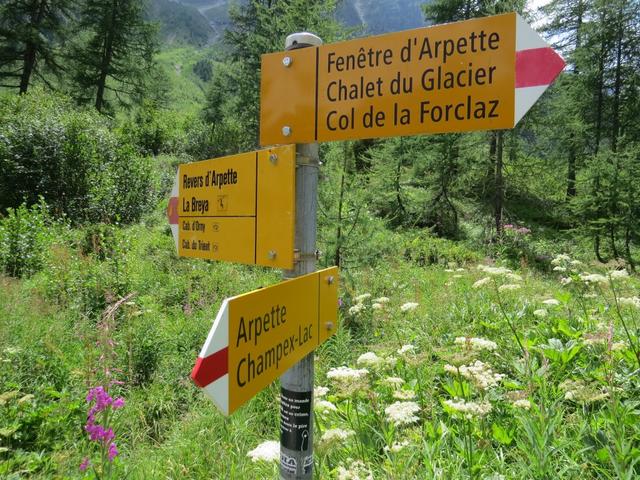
(478, 74)
(239, 208)
(257, 336)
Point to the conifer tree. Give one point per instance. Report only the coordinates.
(114, 60)
(29, 30)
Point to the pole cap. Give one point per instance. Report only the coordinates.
(302, 40)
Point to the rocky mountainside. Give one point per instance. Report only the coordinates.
(203, 21)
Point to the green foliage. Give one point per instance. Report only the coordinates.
(25, 235)
(113, 56)
(71, 159)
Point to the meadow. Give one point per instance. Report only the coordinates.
(447, 364)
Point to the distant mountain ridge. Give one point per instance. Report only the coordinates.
(203, 21)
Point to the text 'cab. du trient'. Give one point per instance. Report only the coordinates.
(474, 75)
(257, 336)
(239, 208)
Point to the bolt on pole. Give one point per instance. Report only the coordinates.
(296, 384)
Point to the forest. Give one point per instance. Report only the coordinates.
(489, 307)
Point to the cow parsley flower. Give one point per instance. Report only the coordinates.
(392, 381)
(481, 282)
(404, 394)
(476, 343)
(362, 298)
(396, 446)
(377, 306)
(405, 349)
(551, 302)
(494, 271)
(319, 391)
(268, 451)
(522, 403)
(357, 308)
(334, 436)
(324, 406)
(381, 300)
(619, 274)
(633, 301)
(402, 413)
(348, 380)
(408, 307)
(469, 409)
(356, 471)
(593, 278)
(508, 287)
(479, 373)
(540, 313)
(369, 359)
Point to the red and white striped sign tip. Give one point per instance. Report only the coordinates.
(537, 66)
(259, 335)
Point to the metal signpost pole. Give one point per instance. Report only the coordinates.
(296, 395)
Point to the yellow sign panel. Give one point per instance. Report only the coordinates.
(447, 78)
(239, 208)
(272, 329)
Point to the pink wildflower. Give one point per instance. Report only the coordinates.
(113, 451)
(85, 464)
(118, 403)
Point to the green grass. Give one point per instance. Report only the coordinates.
(52, 336)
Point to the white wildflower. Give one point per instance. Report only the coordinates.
(540, 313)
(460, 270)
(406, 349)
(495, 271)
(324, 406)
(362, 298)
(402, 413)
(404, 394)
(457, 276)
(348, 380)
(566, 280)
(409, 306)
(593, 278)
(341, 373)
(575, 263)
(514, 276)
(619, 274)
(508, 287)
(319, 391)
(357, 308)
(390, 362)
(356, 471)
(619, 346)
(469, 409)
(481, 282)
(479, 373)
(369, 359)
(476, 343)
(376, 306)
(561, 258)
(559, 269)
(578, 391)
(396, 446)
(449, 270)
(268, 451)
(334, 436)
(633, 301)
(551, 301)
(381, 300)
(392, 381)
(522, 403)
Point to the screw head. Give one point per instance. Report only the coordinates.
(329, 325)
(286, 130)
(272, 254)
(330, 280)
(287, 61)
(273, 158)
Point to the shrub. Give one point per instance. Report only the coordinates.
(69, 156)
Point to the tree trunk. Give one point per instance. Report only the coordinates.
(571, 169)
(107, 55)
(338, 253)
(499, 183)
(31, 50)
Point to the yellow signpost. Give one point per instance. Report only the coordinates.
(257, 336)
(456, 77)
(239, 208)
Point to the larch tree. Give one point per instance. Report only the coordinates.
(113, 59)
